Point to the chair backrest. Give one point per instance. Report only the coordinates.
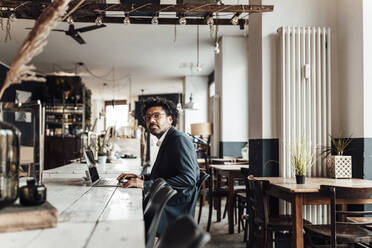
(154, 211)
(155, 187)
(334, 192)
(258, 201)
(203, 177)
(183, 233)
(144, 168)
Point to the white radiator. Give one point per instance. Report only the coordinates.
(305, 97)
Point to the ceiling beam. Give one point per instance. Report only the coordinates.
(153, 8)
(142, 20)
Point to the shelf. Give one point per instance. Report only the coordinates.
(80, 112)
(65, 122)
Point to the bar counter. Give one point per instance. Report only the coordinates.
(87, 216)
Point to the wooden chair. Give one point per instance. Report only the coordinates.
(183, 233)
(242, 204)
(155, 187)
(153, 212)
(340, 233)
(203, 178)
(263, 227)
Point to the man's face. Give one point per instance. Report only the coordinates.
(157, 121)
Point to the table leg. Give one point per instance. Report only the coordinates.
(230, 204)
(297, 224)
(218, 199)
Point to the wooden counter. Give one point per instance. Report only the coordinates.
(87, 216)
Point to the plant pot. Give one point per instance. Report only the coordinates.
(102, 159)
(300, 179)
(339, 167)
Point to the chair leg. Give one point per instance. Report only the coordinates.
(210, 201)
(246, 232)
(200, 208)
(225, 211)
(238, 216)
(217, 204)
(251, 231)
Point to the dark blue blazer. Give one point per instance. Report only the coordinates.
(176, 163)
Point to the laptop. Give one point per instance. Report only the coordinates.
(93, 175)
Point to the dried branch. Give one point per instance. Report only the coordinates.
(34, 43)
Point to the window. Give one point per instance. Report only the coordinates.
(116, 114)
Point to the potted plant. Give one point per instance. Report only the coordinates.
(302, 159)
(102, 149)
(339, 165)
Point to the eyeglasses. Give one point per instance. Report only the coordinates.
(156, 116)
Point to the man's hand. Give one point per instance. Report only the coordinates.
(124, 176)
(133, 183)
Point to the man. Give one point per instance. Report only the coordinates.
(176, 161)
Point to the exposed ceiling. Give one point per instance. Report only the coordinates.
(154, 58)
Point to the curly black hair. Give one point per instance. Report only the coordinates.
(168, 106)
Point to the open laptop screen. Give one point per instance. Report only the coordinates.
(89, 157)
(93, 174)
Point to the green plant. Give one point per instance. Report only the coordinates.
(102, 151)
(338, 146)
(302, 157)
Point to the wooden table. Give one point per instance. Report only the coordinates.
(308, 194)
(87, 216)
(232, 172)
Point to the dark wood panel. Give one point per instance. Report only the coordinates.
(60, 150)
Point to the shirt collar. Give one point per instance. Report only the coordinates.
(160, 141)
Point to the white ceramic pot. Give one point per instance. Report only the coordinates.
(102, 159)
(339, 167)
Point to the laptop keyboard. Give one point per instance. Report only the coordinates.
(108, 181)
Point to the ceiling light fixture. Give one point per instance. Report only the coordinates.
(198, 66)
(182, 20)
(12, 17)
(179, 105)
(191, 105)
(155, 20)
(70, 20)
(99, 20)
(216, 48)
(235, 19)
(126, 20)
(210, 21)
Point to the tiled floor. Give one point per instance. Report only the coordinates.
(219, 231)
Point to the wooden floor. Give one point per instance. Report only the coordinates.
(219, 232)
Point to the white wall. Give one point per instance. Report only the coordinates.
(349, 35)
(232, 87)
(96, 107)
(198, 87)
(287, 12)
(367, 67)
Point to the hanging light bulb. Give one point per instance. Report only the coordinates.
(182, 20)
(191, 105)
(99, 20)
(126, 20)
(12, 17)
(199, 68)
(70, 20)
(155, 20)
(246, 27)
(235, 19)
(210, 21)
(179, 105)
(216, 48)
